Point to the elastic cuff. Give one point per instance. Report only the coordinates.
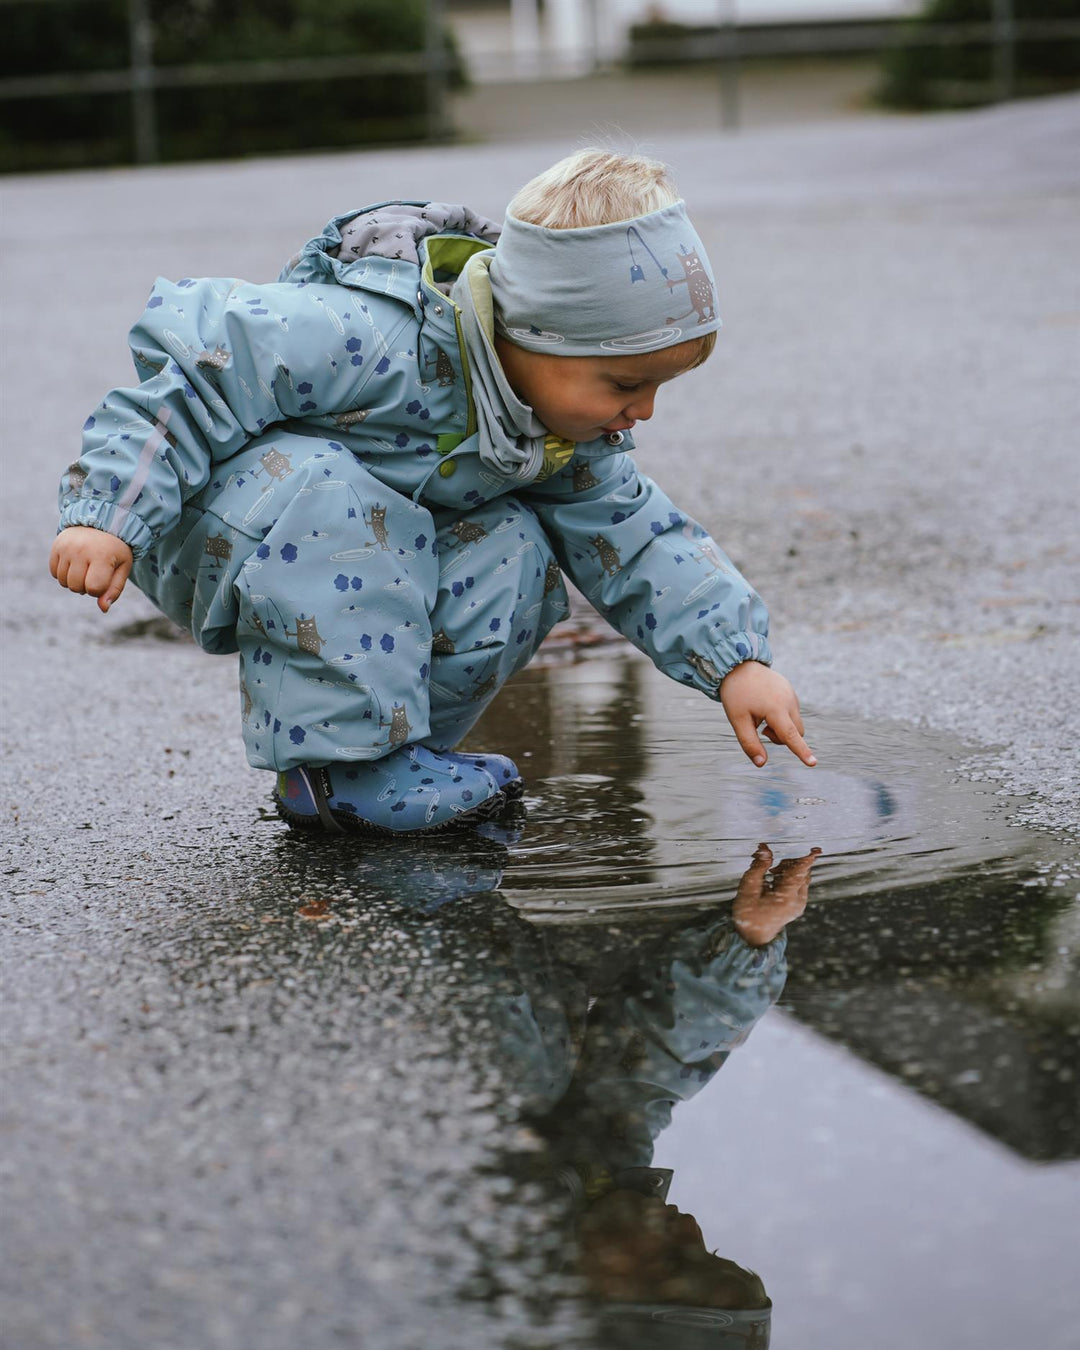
(705, 670)
(104, 515)
(740, 647)
(750, 962)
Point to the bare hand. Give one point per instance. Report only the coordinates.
(753, 694)
(91, 562)
(770, 897)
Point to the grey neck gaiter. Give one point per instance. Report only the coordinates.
(511, 435)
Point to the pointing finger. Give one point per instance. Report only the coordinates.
(797, 867)
(788, 734)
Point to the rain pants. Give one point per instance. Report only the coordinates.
(300, 479)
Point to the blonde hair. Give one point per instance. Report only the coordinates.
(594, 187)
(599, 187)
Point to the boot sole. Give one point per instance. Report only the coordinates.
(488, 809)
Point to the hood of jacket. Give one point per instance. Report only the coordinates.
(379, 247)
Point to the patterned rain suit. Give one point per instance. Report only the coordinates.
(301, 480)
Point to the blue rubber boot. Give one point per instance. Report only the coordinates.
(412, 790)
(503, 769)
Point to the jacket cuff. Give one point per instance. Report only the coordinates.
(103, 515)
(705, 670)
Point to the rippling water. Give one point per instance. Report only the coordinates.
(646, 798)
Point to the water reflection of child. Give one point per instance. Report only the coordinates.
(655, 1039)
(368, 478)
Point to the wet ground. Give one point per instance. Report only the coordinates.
(272, 1091)
(279, 1092)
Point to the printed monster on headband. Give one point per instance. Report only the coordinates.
(695, 278)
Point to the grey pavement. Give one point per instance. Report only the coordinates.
(646, 103)
(252, 1092)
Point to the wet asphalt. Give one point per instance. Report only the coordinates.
(257, 1088)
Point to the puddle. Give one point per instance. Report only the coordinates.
(639, 796)
(746, 1105)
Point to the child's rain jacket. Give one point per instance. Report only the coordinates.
(353, 374)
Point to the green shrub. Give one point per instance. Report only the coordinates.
(220, 119)
(922, 74)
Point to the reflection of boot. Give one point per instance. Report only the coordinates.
(424, 874)
(411, 790)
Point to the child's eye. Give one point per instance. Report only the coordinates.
(627, 388)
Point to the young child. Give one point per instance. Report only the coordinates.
(369, 477)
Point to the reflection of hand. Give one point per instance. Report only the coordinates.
(769, 897)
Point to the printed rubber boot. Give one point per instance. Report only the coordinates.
(409, 791)
(503, 769)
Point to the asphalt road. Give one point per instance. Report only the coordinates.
(230, 1124)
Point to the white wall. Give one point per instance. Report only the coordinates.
(517, 41)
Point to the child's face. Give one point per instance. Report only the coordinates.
(583, 397)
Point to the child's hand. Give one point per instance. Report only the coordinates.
(770, 897)
(753, 694)
(91, 562)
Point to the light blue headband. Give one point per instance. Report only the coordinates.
(635, 286)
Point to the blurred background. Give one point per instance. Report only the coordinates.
(105, 82)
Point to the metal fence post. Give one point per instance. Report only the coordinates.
(1004, 50)
(143, 110)
(728, 37)
(435, 52)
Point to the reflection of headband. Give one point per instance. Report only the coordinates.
(603, 289)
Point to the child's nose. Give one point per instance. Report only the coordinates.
(640, 407)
